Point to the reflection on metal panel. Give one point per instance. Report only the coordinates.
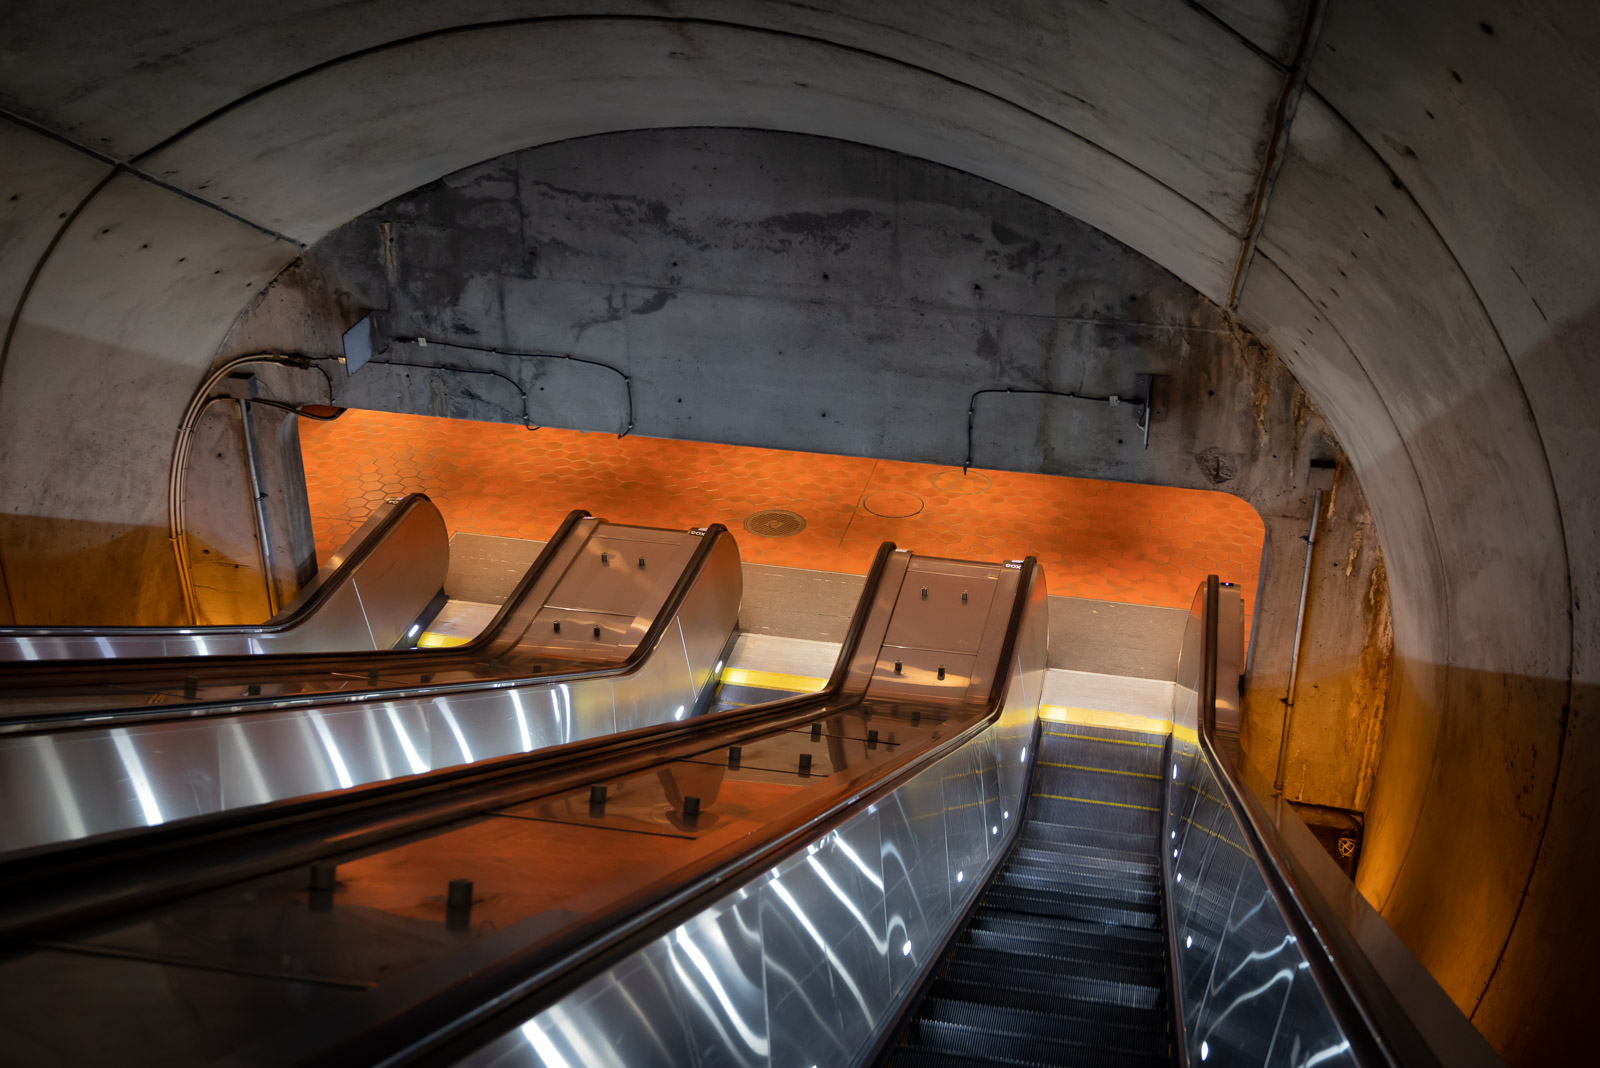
(93, 780)
(807, 963)
(1246, 993)
(373, 590)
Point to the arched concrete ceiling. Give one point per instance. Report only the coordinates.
(1427, 266)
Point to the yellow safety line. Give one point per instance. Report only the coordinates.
(1106, 771)
(1217, 836)
(1092, 801)
(1092, 717)
(1110, 741)
(432, 640)
(770, 680)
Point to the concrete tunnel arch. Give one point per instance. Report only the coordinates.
(1406, 270)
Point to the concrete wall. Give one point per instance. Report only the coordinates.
(1427, 271)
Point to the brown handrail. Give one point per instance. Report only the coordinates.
(431, 661)
(499, 993)
(292, 616)
(65, 883)
(1378, 1017)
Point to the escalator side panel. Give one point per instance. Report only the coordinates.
(95, 780)
(843, 930)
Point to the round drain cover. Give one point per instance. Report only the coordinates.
(775, 523)
(892, 504)
(957, 484)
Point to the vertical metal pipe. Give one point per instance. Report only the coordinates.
(263, 532)
(1299, 631)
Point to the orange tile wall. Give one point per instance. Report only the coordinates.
(1113, 541)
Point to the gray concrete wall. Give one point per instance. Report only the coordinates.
(1428, 271)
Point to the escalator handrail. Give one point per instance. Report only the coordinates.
(545, 973)
(84, 879)
(322, 587)
(1386, 1004)
(434, 660)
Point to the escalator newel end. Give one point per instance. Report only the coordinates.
(805, 764)
(735, 754)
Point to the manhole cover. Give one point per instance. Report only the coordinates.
(774, 523)
(961, 484)
(892, 504)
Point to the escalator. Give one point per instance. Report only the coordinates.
(377, 592)
(612, 627)
(1064, 959)
(907, 866)
(404, 920)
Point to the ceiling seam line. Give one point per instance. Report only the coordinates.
(1437, 553)
(128, 166)
(1561, 522)
(362, 53)
(1222, 22)
(1277, 148)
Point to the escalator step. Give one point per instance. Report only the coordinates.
(926, 1058)
(1111, 887)
(1072, 907)
(1067, 944)
(1078, 987)
(1004, 921)
(1115, 844)
(935, 1036)
(1031, 853)
(1046, 1026)
(984, 991)
(1082, 965)
(1083, 814)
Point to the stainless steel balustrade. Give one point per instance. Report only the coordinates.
(1278, 961)
(69, 784)
(806, 964)
(379, 586)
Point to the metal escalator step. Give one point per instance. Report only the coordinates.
(1077, 987)
(1080, 965)
(1091, 835)
(1046, 1026)
(905, 1057)
(1120, 888)
(1027, 925)
(1049, 853)
(1112, 788)
(1104, 756)
(937, 1036)
(1065, 943)
(1072, 907)
(1077, 811)
(983, 990)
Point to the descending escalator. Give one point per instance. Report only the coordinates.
(1064, 960)
(377, 592)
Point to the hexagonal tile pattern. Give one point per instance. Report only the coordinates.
(1112, 541)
